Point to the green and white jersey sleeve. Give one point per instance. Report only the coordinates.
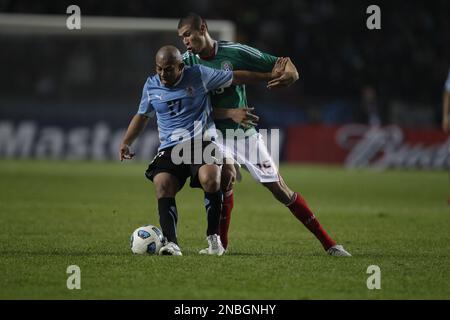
(249, 58)
(232, 56)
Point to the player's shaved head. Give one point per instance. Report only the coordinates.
(169, 64)
(168, 55)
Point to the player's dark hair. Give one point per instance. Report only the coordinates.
(192, 19)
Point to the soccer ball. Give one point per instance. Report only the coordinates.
(146, 240)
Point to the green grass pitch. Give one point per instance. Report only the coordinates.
(56, 214)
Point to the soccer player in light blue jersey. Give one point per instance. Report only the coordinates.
(179, 96)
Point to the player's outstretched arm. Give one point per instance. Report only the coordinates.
(136, 126)
(288, 76)
(251, 77)
(243, 116)
(445, 107)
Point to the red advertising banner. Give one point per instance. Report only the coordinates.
(358, 145)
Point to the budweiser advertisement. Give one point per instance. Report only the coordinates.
(358, 145)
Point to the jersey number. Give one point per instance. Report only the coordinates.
(174, 107)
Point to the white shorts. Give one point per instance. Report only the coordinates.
(252, 153)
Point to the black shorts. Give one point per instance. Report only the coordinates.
(162, 162)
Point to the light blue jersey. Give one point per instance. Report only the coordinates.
(184, 110)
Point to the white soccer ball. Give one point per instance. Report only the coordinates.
(146, 240)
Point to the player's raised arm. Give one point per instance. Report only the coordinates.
(249, 77)
(215, 79)
(243, 116)
(135, 127)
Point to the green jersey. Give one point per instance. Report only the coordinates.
(232, 56)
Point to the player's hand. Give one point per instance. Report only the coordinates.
(244, 117)
(285, 80)
(125, 153)
(279, 67)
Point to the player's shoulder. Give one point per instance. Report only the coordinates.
(239, 47)
(223, 43)
(189, 58)
(152, 81)
(187, 54)
(193, 68)
(197, 68)
(193, 73)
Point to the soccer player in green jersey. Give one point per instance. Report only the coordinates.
(203, 49)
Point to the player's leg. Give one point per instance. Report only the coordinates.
(166, 187)
(226, 185)
(300, 209)
(168, 179)
(209, 178)
(266, 172)
(228, 178)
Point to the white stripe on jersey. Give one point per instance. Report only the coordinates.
(244, 48)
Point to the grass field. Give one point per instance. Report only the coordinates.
(56, 214)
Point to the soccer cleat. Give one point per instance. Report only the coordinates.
(338, 251)
(170, 249)
(205, 251)
(214, 246)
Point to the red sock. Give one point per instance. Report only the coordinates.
(225, 217)
(302, 212)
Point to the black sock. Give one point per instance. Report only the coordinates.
(168, 218)
(213, 205)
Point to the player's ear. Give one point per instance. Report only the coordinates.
(203, 29)
(181, 66)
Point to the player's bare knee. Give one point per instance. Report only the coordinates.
(285, 189)
(165, 186)
(209, 177)
(227, 185)
(228, 169)
(165, 191)
(271, 186)
(211, 183)
(228, 178)
(279, 191)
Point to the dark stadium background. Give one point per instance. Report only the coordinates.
(69, 81)
(368, 100)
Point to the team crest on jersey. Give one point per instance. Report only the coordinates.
(190, 91)
(226, 65)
